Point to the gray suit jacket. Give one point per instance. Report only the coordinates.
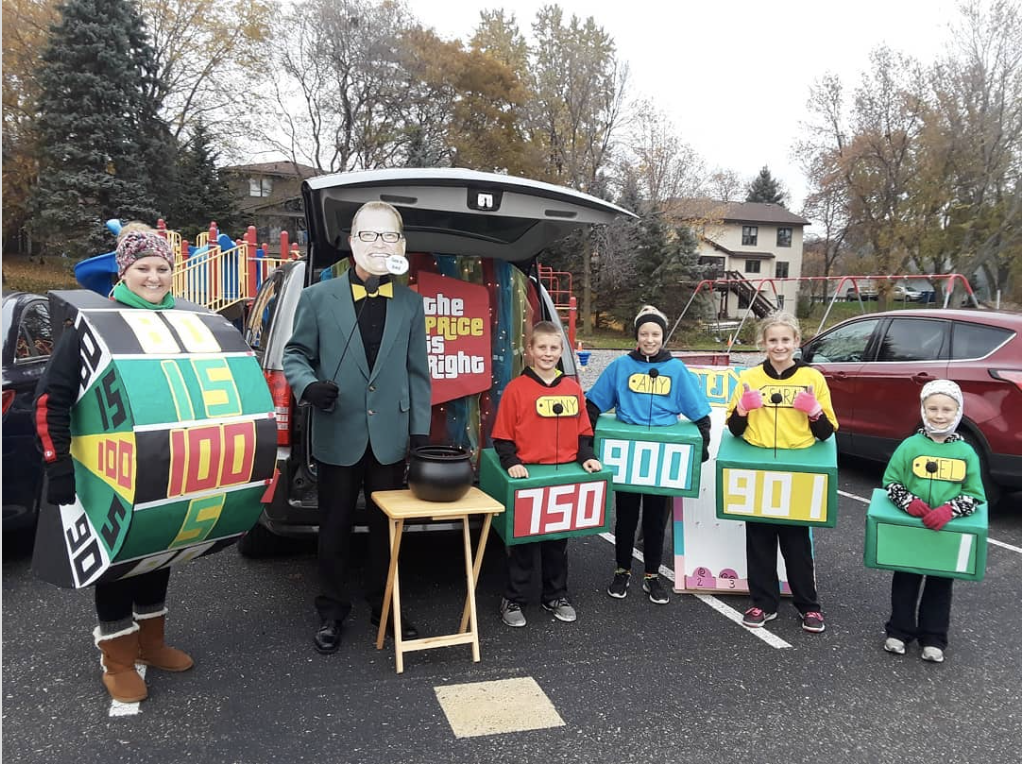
(379, 407)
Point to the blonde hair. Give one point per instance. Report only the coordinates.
(777, 318)
(544, 327)
(370, 206)
(135, 226)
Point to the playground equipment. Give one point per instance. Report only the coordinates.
(216, 272)
(752, 287)
(558, 286)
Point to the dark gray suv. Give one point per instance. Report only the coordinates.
(473, 240)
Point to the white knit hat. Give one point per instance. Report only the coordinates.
(951, 390)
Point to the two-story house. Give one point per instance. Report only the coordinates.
(269, 196)
(747, 240)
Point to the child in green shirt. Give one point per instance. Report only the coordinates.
(935, 475)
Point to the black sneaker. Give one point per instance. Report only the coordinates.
(619, 586)
(657, 594)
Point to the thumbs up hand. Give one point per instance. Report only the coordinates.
(751, 399)
(806, 402)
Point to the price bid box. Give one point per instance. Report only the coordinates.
(658, 460)
(796, 487)
(555, 501)
(897, 541)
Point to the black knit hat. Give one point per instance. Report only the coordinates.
(649, 314)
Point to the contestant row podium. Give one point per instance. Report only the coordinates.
(897, 541)
(562, 501)
(785, 486)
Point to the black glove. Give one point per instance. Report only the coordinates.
(322, 395)
(704, 430)
(60, 480)
(417, 441)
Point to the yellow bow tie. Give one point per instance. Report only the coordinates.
(385, 290)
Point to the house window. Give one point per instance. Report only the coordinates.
(782, 269)
(783, 237)
(750, 235)
(260, 186)
(713, 266)
(752, 266)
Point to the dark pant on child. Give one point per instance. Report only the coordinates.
(118, 600)
(654, 518)
(761, 542)
(934, 609)
(521, 562)
(338, 492)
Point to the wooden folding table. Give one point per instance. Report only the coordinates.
(403, 505)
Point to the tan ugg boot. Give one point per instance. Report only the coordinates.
(152, 650)
(121, 679)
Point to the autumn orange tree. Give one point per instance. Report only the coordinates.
(921, 166)
(25, 30)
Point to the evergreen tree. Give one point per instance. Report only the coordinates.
(765, 188)
(104, 151)
(204, 194)
(667, 263)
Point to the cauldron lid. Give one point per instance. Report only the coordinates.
(441, 453)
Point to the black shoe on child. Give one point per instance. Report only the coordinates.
(657, 594)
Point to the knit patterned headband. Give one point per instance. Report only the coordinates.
(138, 244)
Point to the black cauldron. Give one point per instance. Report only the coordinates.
(440, 473)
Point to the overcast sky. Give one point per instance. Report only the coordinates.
(734, 76)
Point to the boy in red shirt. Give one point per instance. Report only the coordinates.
(541, 420)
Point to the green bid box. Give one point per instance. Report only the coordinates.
(789, 486)
(897, 541)
(663, 461)
(554, 502)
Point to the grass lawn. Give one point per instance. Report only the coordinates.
(38, 274)
(703, 335)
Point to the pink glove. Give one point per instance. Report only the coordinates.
(917, 508)
(806, 402)
(937, 518)
(751, 399)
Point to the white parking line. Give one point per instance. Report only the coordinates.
(708, 599)
(1001, 544)
(852, 496)
(995, 542)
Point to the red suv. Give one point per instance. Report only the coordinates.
(876, 364)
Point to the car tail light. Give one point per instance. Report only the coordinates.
(280, 392)
(8, 400)
(1008, 375)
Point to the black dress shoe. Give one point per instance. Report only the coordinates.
(408, 630)
(328, 638)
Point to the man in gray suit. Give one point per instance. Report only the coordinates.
(369, 404)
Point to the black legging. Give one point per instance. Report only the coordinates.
(116, 600)
(654, 515)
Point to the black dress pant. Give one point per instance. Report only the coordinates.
(761, 542)
(553, 562)
(934, 609)
(338, 493)
(117, 600)
(654, 521)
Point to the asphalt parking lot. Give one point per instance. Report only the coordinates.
(629, 681)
